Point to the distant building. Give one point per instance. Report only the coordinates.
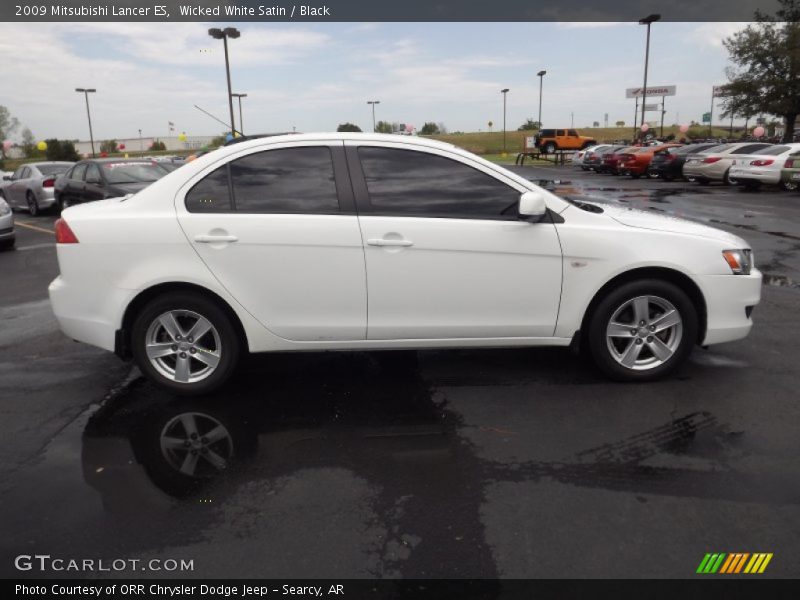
(135, 144)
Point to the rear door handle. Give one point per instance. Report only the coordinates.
(215, 239)
(385, 242)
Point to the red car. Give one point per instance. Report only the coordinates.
(634, 161)
(611, 159)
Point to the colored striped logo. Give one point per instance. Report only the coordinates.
(736, 562)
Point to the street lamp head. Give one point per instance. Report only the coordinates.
(216, 33)
(239, 95)
(232, 32)
(85, 90)
(504, 91)
(649, 19)
(373, 101)
(542, 73)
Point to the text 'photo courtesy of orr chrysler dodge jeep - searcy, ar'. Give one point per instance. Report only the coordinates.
(369, 242)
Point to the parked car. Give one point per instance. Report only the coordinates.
(277, 244)
(764, 166)
(550, 140)
(634, 162)
(669, 164)
(7, 234)
(611, 158)
(99, 178)
(31, 186)
(790, 175)
(593, 156)
(714, 164)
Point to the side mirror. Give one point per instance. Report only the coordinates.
(532, 207)
(6, 177)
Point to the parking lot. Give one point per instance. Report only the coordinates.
(471, 463)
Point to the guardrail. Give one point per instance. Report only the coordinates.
(559, 157)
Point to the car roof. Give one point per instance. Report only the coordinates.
(115, 160)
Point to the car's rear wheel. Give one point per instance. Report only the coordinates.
(185, 342)
(642, 330)
(33, 205)
(549, 148)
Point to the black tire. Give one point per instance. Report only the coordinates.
(611, 303)
(789, 186)
(550, 148)
(635, 175)
(726, 178)
(33, 205)
(8, 244)
(667, 177)
(702, 181)
(64, 203)
(229, 343)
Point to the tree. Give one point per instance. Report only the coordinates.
(8, 125)
(61, 150)
(430, 128)
(383, 127)
(620, 123)
(348, 127)
(28, 143)
(766, 75)
(109, 146)
(158, 146)
(529, 125)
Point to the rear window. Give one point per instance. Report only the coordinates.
(773, 150)
(717, 149)
(548, 132)
(53, 169)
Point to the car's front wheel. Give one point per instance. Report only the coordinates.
(185, 342)
(33, 205)
(642, 330)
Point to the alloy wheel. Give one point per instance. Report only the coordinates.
(196, 444)
(183, 346)
(644, 332)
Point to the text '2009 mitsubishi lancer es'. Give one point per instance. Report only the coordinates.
(364, 242)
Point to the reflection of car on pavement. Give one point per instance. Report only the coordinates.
(145, 445)
(764, 166)
(714, 163)
(258, 247)
(96, 179)
(7, 235)
(31, 186)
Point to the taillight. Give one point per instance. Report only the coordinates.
(48, 183)
(64, 234)
(711, 159)
(789, 164)
(761, 162)
(669, 156)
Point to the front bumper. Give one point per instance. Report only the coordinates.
(729, 301)
(7, 227)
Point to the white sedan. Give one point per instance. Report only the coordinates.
(364, 242)
(764, 166)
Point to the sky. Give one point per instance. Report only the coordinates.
(313, 76)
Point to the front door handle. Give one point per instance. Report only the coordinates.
(215, 239)
(389, 242)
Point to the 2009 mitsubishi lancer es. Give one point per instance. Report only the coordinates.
(355, 242)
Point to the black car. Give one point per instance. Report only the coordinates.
(668, 164)
(100, 178)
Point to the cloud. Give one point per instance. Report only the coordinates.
(712, 34)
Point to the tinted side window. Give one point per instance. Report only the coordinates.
(26, 173)
(210, 194)
(749, 149)
(77, 172)
(411, 183)
(287, 180)
(548, 132)
(93, 174)
(572, 132)
(561, 132)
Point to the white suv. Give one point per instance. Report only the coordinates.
(360, 241)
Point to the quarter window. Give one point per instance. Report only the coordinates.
(211, 194)
(411, 183)
(77, 172)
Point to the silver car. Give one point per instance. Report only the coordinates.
(31, 186)
(714, 164)
(7, 235)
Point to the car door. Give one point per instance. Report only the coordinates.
(74, 187)
(277, 228)
(94, 187)
(446, 256)
(8, 190)
(18, 186)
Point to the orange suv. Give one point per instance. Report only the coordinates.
(550, 140)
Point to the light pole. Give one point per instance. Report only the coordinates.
(141, 144)
(224, 34)
(373, 103)
(86, 92)
(541, 75)
(648, 20)
(505, 93)
(241, 119)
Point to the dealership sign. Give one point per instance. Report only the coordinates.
(662, 90)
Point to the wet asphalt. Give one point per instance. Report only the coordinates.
(438, 464)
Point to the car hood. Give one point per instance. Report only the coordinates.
(658, 222)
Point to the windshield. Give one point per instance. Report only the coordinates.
(53, 169)
(140, 172)
(773, 150)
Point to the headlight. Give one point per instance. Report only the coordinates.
(740, 261)
(4, 208)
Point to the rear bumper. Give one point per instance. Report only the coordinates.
(760, 175)
(45, 197)
(730, 300)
